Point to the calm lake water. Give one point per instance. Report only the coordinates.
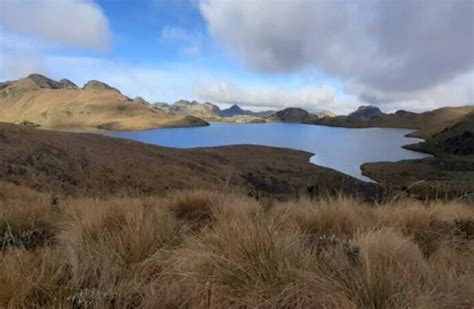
(341, 149)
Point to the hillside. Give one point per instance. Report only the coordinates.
(456, 140)
(41, 101)
(427, 124)
(449, 173)
(93, 165)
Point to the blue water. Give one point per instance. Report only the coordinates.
(341, 149)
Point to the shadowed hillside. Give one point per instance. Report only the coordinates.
(457, 139)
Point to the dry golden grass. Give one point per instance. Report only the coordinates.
(202, 249)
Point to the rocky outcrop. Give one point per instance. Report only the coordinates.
(98, 85)
(44, 82)
(325, 113)
(67, 84)
(187, 108)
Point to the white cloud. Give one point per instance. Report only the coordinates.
(311, 98)
(20, 65)
(190, 42)
(457, 92)
(383, 50)
(72, 23)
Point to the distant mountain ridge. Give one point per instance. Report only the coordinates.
(208, 110)
(427, 123)
(235, 110)
(40, 101)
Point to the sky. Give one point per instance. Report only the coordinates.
(334, 55)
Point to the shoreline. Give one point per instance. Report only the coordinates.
(361, 177)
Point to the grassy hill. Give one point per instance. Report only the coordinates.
(41, 101)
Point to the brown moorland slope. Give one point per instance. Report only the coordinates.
(427, 124)
(450, 172)
(203, 249)
(456, 140)
(84, 164)
(42, 101)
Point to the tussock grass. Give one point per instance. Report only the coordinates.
(200, 249)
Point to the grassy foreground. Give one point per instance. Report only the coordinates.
(201, 249)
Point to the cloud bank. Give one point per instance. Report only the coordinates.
(387, 52)
(71, 23)
(312, 98)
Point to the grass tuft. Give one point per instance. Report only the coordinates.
(200, 249)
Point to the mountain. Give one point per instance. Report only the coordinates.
(427, 124)
(366, 112)
(296, 114)
(211, 111)
(42, 101)
(264, 114)
(293, 114)
(235, 110)
(187, 108)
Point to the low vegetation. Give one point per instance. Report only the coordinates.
(201, 249)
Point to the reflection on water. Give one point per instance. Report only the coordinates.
(342, 149)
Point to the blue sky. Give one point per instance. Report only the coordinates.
(260, 54)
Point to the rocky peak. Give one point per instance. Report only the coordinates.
(141, 101)
(234, 110)
(44, 82)
(95, 84)
(366, 112)
(67, 84)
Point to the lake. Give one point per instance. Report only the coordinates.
(342, 149)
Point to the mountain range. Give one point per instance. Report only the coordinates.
(41, 101)
(208, 110)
